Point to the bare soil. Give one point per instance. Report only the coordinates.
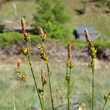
(57, 54)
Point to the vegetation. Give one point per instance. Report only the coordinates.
(81, 84)
(10, 38)
(52, 19)
(27, 52)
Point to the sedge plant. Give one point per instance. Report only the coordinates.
(93, 56)
(44, 57)
(23, 79)
(69, 66)
(27, 52)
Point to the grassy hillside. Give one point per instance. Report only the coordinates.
(94, 16)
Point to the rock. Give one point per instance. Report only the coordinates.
(74, 106)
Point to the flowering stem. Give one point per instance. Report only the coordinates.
(33, 75)
(43, 96)
(48, 76)
(50, 84)
(93, 97)
(104, 105)
(68, 85)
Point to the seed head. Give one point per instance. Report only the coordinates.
(39, 46)
(83, 106)
(106, 97)
(19, 63)
(23, 78)
(42, 35)
(25, 51)
(23, 24)
(69, 51)
(87, 36)
(44, 80)
(18, 71)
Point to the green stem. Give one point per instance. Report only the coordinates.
(93, 95)
(104, 106)
(33, 75)
(50, 84)
(27, 96)
(43, 96)
(68, 84)
(48, 76)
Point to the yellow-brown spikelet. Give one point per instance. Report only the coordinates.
(69, 51)
(19, 63)
(39, 46)
(83, 106)
(44, 80)
(24, 50)
(87, 36)
(42, 35)
(23, 24)
(23, 78)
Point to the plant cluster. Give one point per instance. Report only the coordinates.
(69, 65)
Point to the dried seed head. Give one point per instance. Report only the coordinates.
(18, 71)
(39, 46)
(43, 55)
(87, 36)
(44, 80)
(69, 51)
(83, 106)
(19, 63)
(106, 97)
(25, 51)
(41, 91)
(26, 36)
(23, 24)
(42, 35)
(23, 78)
(42, 74)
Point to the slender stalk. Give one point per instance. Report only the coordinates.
(27, 96)
(48, 76)
(50, 84)
(104, 106)
(33, 75)
(43, 96)
(93, 96)
(68, 85)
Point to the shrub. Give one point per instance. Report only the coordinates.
(52, 19)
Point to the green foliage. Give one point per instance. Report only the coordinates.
(52, 19)
(59, 12)
(10, 38)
